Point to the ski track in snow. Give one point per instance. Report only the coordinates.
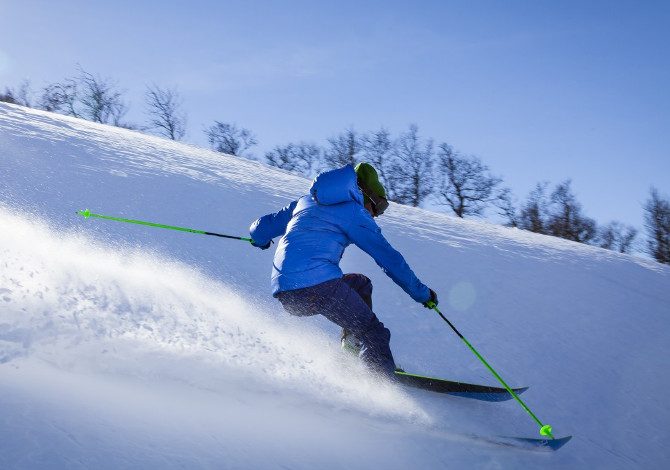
(125, 346)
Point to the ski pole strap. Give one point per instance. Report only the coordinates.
(545, 429)
(87, 213)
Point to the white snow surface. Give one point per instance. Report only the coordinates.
(124, 346)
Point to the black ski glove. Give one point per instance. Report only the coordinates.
(433, 299)
(262, 247)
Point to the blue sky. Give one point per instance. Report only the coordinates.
(539, 90)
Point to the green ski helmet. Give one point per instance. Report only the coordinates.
(372, 189)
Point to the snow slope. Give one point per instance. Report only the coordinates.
(126, 346)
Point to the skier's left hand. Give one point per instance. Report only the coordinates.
(432, 301)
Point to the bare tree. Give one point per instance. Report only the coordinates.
(566, 219)
(227, 138)
(618, 237)
(343, 149)
(164, 108)
(25, 94)
(22, 96)
(60, 98)
(302, 158)
(49, 99)
(534, 213)
(507, 208)
(466, 185)
(410, 179)
(100, 100)
(86, 96)
(8, 96)
(377, 149)
(657, 224)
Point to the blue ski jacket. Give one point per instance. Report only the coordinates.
(317, 228)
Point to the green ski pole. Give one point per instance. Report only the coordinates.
(545, 429)
(86, 214)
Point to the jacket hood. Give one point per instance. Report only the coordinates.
(336, 186)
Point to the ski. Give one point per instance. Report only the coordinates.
(525, 443)
(459, 389)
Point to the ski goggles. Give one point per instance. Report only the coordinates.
(379, 204)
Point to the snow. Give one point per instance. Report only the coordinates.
(134, 347)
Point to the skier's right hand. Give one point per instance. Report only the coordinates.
(432, 301)
(262, 247)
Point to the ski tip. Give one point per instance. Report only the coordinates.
(86, 213)
(535, 444)
(557, 443)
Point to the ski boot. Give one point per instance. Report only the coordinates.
(350, 343)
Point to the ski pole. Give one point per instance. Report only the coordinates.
(86, 214)
(545, 429)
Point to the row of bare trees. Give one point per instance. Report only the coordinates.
(99, 99)
(560, 214)
(415, 171)
(412, 168)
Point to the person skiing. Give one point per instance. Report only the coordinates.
(315, 230)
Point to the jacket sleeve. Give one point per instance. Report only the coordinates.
(366, 234)
(273, 225)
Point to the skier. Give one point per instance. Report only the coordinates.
(315, 230)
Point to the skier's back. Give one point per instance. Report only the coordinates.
(315, 230)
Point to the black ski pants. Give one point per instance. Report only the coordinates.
(347, 302)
